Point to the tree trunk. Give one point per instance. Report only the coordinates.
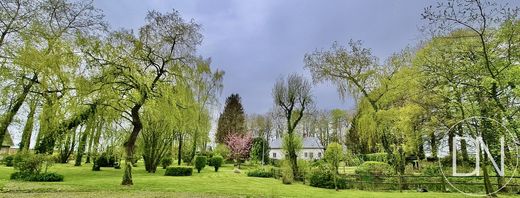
(433, 145)
(130, 144)
(487, 181)
(7, 118)
(179, 151)
(29, 125)
(96, 135)
(293, 157)
(83, 142)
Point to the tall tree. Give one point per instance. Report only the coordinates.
(232, 119)
(136, 66)
(293, 97)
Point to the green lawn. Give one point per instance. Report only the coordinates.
(82, 182)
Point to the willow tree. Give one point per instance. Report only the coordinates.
(206, 85)
(39, 51)
(136, 65)
(354, 70)
(158, 134)
(293, 97)
(479, 35)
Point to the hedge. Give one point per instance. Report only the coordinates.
(179, 171)
(260, 173)
(42, 177)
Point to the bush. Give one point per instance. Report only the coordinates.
(179, 171)
(374, 169)
(41, 177)
(167, 161)
(222, 150)
(106, 160)
(8, 160)
(216, 161)
(431, 170)
(352, 159)
(261, 173)
(322, 177)
(287, 173)
(200, 163)
(95, 167)
(30, 163)
(376, 157)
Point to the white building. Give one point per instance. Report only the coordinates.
(312, 149)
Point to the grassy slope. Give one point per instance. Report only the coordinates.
(82, 182)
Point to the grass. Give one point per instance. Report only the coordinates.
(82, 182)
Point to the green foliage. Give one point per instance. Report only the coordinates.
(222, 150)
(179, 171)
(167, 161)
(41, 177)
(376, 157)
(323, 177)
(260, 150)
(352, 159)
(32, 164)
(8, 160)
(291, 141)
(261, 172)
(287, 173)
(105, 160)
(431, 170)
(372, 168)
(200, 162)
(33, 167)
(216, 161)
(334, 154)
(232, 120)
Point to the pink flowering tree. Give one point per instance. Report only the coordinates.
(239, 146)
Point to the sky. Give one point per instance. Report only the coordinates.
(257, 42)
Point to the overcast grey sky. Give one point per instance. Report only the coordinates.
(255, 42)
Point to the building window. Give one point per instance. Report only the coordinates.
(305, 154)
(319, 154)
(274, 155)
(311, 155)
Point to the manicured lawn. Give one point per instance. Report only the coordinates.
(82, 182)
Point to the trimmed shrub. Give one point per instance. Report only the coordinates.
(323, 178)
(42, 177)
(200, 163)
(167, 161)
(179, 171)
(8, 160)
(374, 169)
(216, 161)
(261, 173)
(376, 157)
(95, 166)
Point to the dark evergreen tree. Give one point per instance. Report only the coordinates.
(232, 120)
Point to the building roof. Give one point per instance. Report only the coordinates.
(8, 141)
(308, 143)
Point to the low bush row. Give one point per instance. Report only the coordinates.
(41, 177)
(179, 171)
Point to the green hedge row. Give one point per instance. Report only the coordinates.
(42, 177)
(179, 171)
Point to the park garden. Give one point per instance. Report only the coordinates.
(131, 112)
